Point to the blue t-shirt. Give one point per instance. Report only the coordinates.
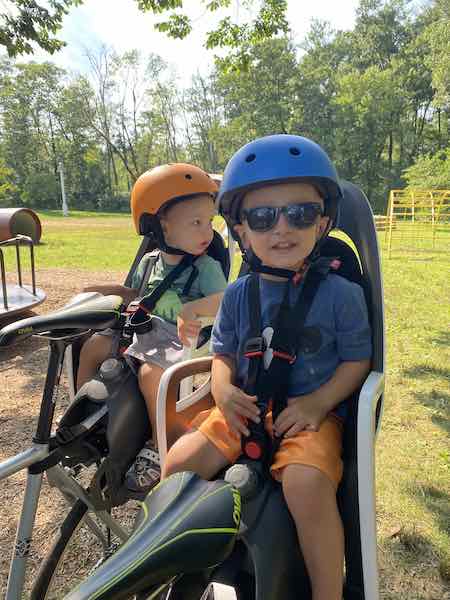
(337, 323)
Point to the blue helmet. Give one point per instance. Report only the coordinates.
(278, 159)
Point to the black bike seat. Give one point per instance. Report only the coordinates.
(186, 525)
(98, 314)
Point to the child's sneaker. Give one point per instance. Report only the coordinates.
(145, 472)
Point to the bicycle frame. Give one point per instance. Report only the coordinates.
(33, 459)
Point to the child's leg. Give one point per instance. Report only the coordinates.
(311, 499)
(149, 376)
(93, 352)
(194, 452)
(176, 423)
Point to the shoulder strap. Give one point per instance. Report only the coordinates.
(254, 346)
(271, 386)
(150, 259)
(189, 283)
(148, 303)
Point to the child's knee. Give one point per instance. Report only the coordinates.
(177, 459)
(194, 452)
(96, 348)
(149, 374)
(305, 485)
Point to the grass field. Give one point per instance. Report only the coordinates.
(413, 450)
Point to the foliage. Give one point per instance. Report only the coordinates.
(430, 172)
(36, 21)
(437, 37)
(376, 98)
(30, 21)
(8, 191)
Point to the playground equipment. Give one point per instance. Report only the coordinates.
(418, 221)
(15, 298)
(19, 227)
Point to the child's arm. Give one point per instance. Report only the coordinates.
(128, 294)
(308, 411)
(188, 319)
(234, 404)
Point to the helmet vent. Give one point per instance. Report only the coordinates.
(294, 151)
(250, 158)
(188, 176)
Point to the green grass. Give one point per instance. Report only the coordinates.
(80, 214)
(413, 459)
(413, 452)
(85, 241)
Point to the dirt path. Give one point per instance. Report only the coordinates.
(22, 373)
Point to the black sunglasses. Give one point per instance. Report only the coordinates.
(300, 216)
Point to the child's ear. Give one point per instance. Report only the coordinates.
(163, 224)
(240, 230)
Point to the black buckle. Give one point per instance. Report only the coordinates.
(255, 347)
(138, 322)
(64, 436)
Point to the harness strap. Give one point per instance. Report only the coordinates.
(189, 283)
(148, 303)
(151, 259)
(271, 386)
(255, 345)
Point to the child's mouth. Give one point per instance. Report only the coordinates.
(283, 246)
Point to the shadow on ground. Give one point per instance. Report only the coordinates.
(421, 371)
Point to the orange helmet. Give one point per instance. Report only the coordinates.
(162, 185)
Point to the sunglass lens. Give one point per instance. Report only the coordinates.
(261, 218)
(302, 215)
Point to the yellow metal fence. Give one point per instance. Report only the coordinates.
(417, 220)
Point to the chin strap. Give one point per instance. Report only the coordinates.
(256, 266)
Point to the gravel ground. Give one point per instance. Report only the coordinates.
(22, 373)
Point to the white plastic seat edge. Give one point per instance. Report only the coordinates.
(369, 396)
(181, 404)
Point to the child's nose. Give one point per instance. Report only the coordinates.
(282, 224)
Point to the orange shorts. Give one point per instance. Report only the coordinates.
(320, 449)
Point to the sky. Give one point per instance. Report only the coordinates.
(120, 25)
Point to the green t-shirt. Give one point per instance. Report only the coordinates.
(210, 280)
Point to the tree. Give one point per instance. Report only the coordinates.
(37, 21)
(8, 191)
(28, 96)
(430, 172)
(258, 101)
(28, 21)
(437, 38)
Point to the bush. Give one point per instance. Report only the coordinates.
(430, 172)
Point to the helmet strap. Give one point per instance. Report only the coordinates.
(255, 265)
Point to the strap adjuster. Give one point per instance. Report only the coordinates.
(255, 347)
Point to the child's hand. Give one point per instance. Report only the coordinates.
(236, 407)
(304, 412)
(188, 326)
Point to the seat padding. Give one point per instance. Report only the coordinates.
(98, 313)
(187, 525)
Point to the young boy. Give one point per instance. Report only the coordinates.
(175, 205)
(281, 194)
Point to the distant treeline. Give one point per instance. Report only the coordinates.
(376, 97)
